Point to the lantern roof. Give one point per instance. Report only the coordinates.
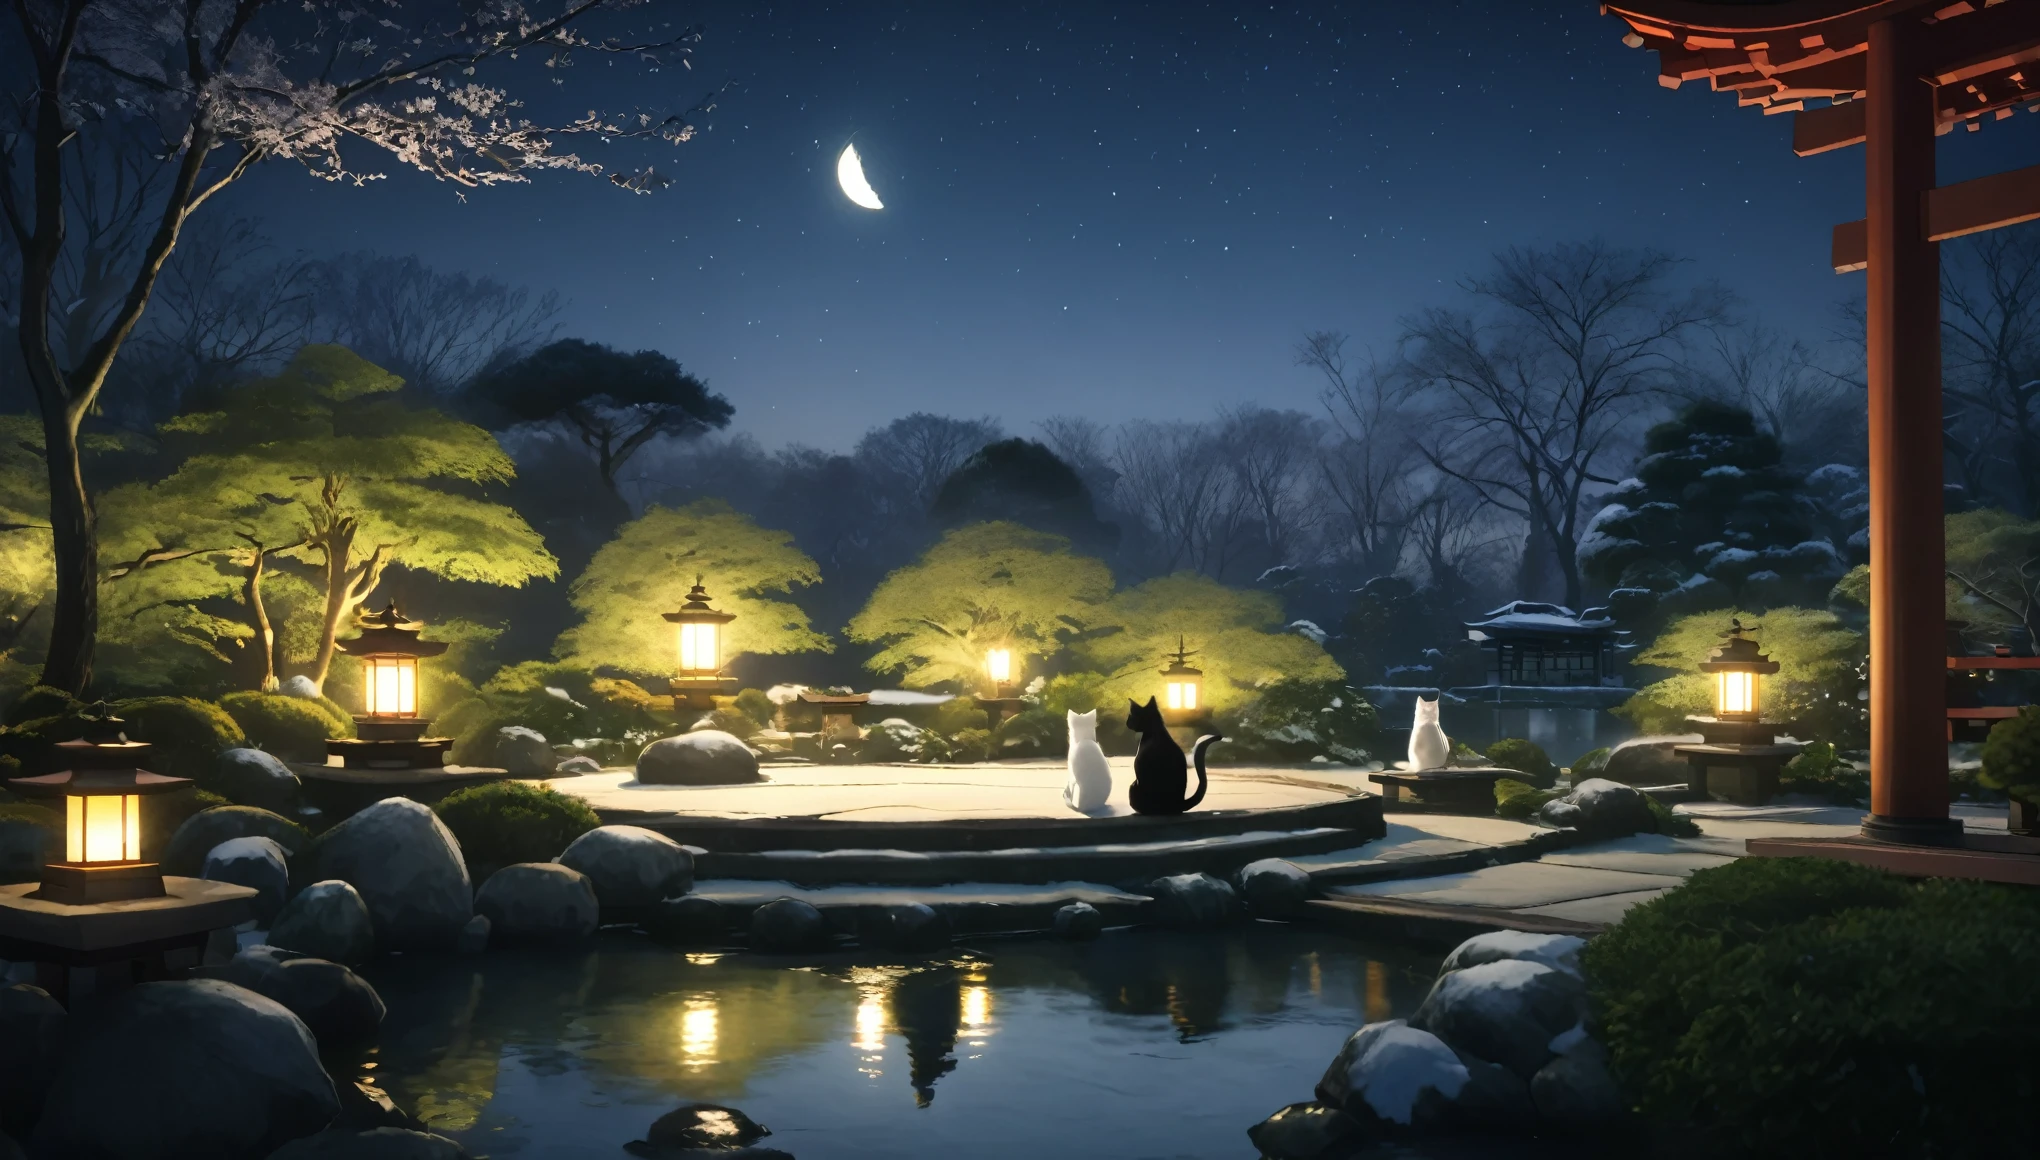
(387, 633)
(101, 761)
(697, 609)
(1779, 55)
(1737, 653)
(1180, 666)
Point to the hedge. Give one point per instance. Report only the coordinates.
(292, 728)
(507, 822)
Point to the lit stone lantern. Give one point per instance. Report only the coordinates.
(102, 791)
(701, 630)
(1738, 758)
(1001, 672)
(1183, 687)
(999, 667)
(389, 734)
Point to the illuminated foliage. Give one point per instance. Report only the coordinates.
(1238, 636)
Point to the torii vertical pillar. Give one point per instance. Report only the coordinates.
(1908, 647)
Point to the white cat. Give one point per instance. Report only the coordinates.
(1090, 778)
(1429, 747)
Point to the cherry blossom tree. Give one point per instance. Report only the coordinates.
(158, 105)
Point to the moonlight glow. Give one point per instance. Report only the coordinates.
(850, 175)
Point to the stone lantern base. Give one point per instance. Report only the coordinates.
(390, 743)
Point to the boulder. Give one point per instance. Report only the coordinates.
(300, 686)
(1506, 1011)
(577, 765)
(406, 865)
(687, 921)
(25, 847)
(1078, 921)
(364, 1106)
(326, 920)
(1194, 901)
(1493, 1099)
(538, 902)
(31, 1044)
(1601, 808)
(474, 937)
(336, 1005)
(703, 757)
(1576, 1090)
(1553, 950)
(374, 1144)
(251, 777)
(523, 752)
(913, 927)
(1650, 761)
(194, 1068)
(1275, 889)
(705, 1126)
(630, 866)
(1395, 1074)
(205, 829)
(256, 862)
(1309, 1131)
(788, 926)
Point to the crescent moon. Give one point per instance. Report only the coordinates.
(850, 175)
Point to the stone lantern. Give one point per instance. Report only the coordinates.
(102, 792)
(1738, 758)
(702, 628)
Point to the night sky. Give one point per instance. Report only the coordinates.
(1112, 209)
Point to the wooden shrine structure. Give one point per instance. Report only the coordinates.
(1892, 76)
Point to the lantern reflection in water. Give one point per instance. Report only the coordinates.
(977, 1013)
(698, 1033)
(870, 1038)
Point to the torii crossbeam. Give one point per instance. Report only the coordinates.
(1890, 75)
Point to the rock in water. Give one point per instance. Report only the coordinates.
(1194, 901)
(1078, 921)
(407, 867)
(1392, 1073)
(374, 1144)
(474, 937)
(538, 902)
(185, 856)
(31, 1044)
(257, 862)
(914, 927)
(788, 926)
(1601, 808)
(251, 777)
(326, 920)
(687, 921)
(187, 1069)
(1506, 1011)
(1553, 950)
(1576, 1090)
(630, 866)
(705, 1126)
(523, 752)
(703, 757)
(1309, 1131)
(1275, 888)
(337, 1006)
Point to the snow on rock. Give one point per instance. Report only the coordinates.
(1561, 951)
(1396, 1073)
(1507, 1011)
(1601, 807)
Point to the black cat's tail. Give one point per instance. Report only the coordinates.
(1197, 755)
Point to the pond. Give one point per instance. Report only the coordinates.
(1143, 1043)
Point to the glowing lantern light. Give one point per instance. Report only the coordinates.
(1739, 667)
(999, 666)
(102, 792)
(1183, 685)
(701, 648)
(388, 649)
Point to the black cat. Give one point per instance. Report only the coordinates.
(1160, 774)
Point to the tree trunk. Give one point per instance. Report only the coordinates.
(339, 549)
(265, 636)
(74, 534)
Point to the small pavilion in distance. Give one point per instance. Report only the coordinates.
(1892, 76)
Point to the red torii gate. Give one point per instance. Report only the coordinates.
(1891, 75)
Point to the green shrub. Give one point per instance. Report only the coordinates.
(49, 821)
(188, 733)
(1820, 771)
(2011, 756)
(1073, 692)
(970, 745)
(1031, 733)
(753, 703)
(732, 722)
(1525, 757)
(31, 744)
(513, 821)
(1297, 720)
(1809, 1008)
(292, 728)
(342, 720)
(163, 813)
(1590, 764)
(41, 701)
(959, 714)
(1673, 824)
(1519, 799)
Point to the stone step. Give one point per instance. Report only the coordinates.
(1136, 862)
(973, 908)
(1433, 924)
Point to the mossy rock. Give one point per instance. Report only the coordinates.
(1525, 757)
(188, 734)
(508, 822)
(197, 833)
(292, 728)
(1519, 799)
